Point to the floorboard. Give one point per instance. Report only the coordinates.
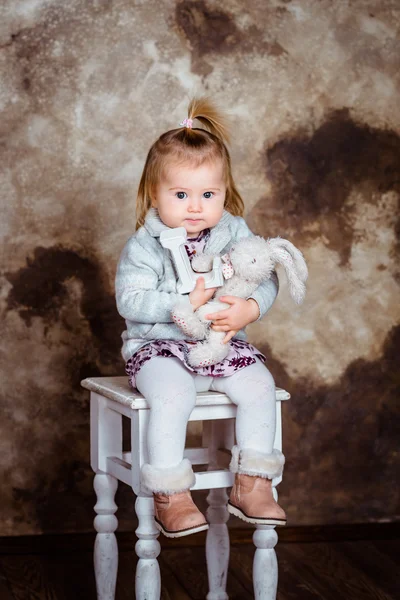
(359, 564)
(28, 578)
(379, 569)
(5, 592)
(389, 548)
(330, 574)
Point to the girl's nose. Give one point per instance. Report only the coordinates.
(195, 204)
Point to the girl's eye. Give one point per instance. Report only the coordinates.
(208, 195)
(181, 195)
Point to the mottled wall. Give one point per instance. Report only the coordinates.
(86, 87)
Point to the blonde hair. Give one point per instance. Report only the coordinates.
(194, 146)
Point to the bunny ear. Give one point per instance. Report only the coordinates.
(297, 256)
(296, 284)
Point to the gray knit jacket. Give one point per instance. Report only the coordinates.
(145, 282)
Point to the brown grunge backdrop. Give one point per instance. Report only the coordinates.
(86, 87)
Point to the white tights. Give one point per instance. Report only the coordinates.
(170, 389)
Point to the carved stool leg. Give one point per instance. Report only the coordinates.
(105, 547)
(217, 544)
(216, 435)
(148, 579)
(265, 566)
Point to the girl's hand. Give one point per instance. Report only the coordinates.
(232, 319)
(200, 295)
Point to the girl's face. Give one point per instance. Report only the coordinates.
(191, 197)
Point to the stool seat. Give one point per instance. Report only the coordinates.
(111, 398)
(119, 390)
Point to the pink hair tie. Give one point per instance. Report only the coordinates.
(187, 123)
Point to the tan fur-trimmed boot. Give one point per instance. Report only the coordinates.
(176, 515)
(251, 497)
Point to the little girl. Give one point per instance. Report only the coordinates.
(187, 182)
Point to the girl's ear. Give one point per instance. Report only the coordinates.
(151, 193)
(153, 199)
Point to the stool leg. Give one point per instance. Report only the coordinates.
(105, 547)
(217, 541)
(265, 566)
(217, 544)
(148, 579)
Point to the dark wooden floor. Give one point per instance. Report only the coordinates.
(357, 562)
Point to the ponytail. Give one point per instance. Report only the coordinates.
(210, 116)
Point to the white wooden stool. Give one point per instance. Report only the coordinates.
(110, 399)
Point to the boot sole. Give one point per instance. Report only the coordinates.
(234, 510)
(180, 533)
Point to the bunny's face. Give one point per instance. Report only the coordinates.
(251, 259)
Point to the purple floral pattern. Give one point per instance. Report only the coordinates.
(196, 245)
(241, 353)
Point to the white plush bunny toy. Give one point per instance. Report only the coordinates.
(247, 264)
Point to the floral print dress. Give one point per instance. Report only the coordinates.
(241, 353)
